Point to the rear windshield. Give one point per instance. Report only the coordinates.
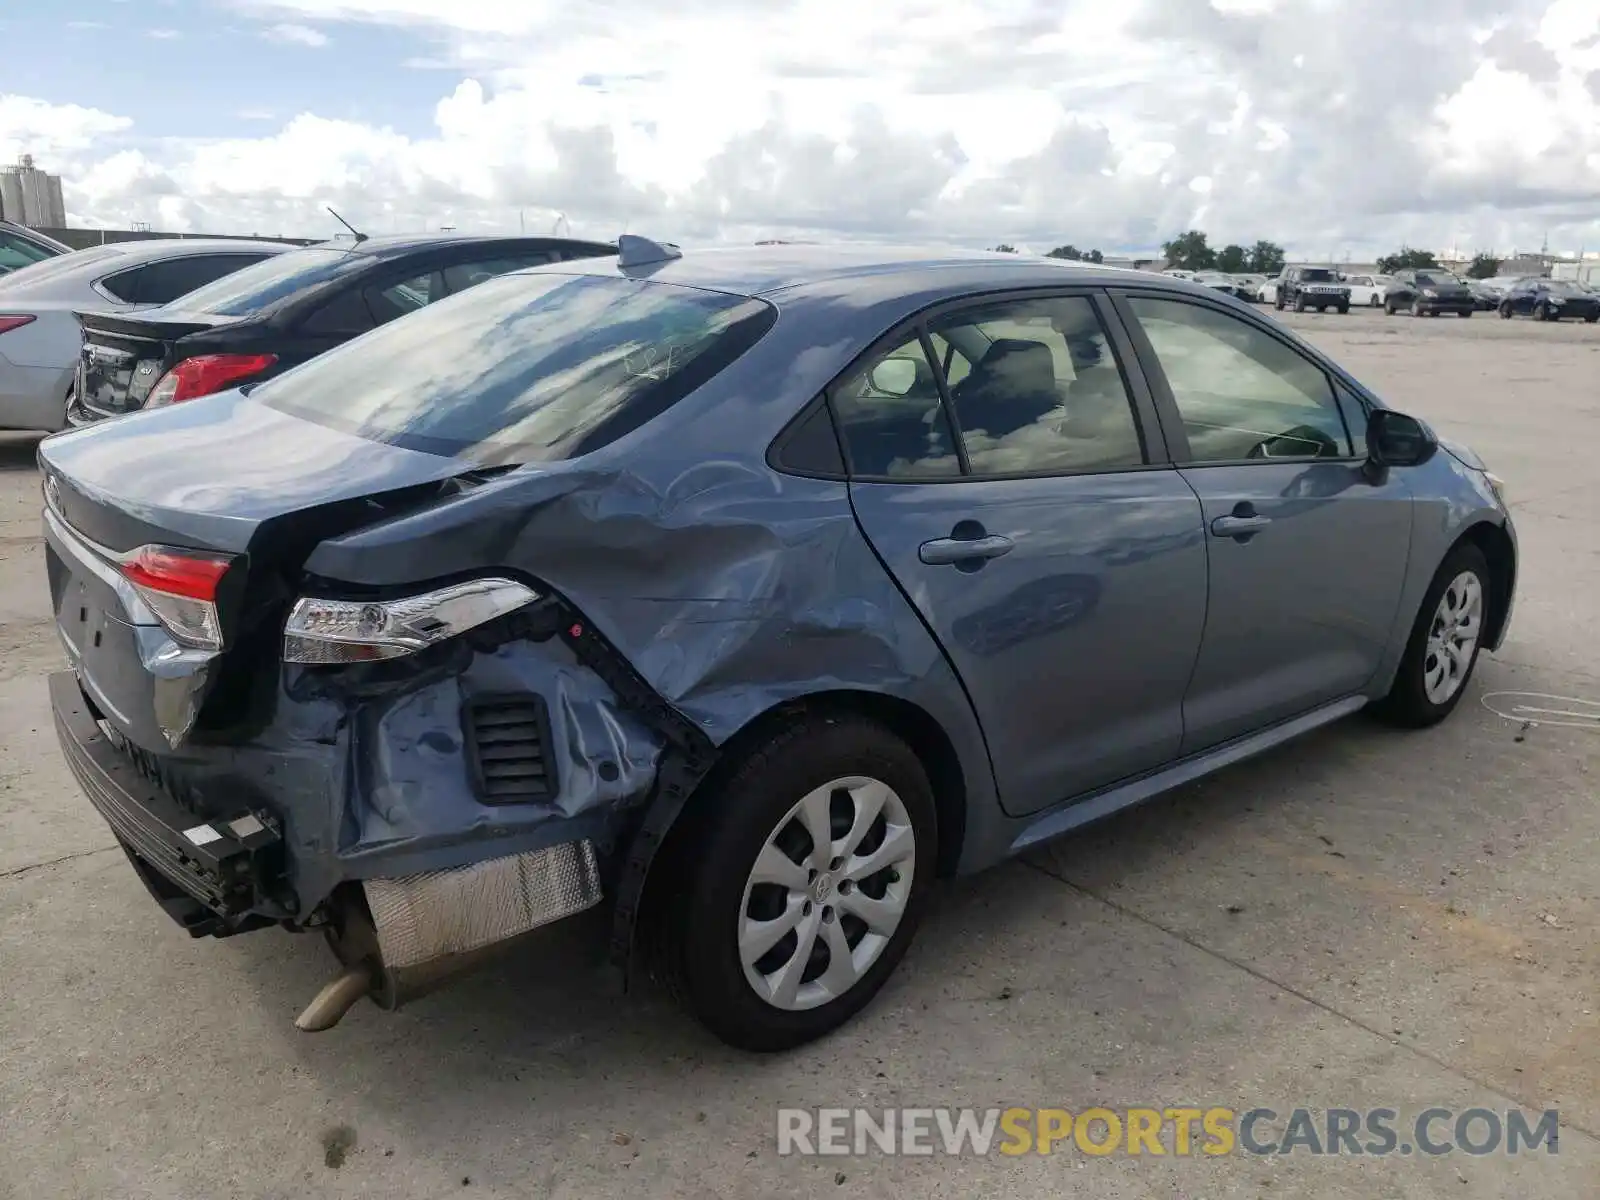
(524, 368)
(272, 279)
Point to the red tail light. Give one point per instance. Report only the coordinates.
(193, 576)
(205, 374)
(10, 321)
(180, 588)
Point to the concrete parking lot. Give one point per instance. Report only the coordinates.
(1364, 919)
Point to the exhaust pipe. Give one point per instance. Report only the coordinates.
(336, 998)
(399, 939)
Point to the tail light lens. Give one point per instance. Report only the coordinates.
(10, 321)
(348, 631)
(180, 587)
(205, 374)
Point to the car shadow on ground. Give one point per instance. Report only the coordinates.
(19, 451)
(541, 1028)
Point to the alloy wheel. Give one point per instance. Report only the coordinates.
(826, 893)
(1453, 637)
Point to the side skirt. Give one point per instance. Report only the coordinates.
(1075, 814)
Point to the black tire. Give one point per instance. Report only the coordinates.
(1390, 308)
(1466, 312)
(1375, 302)
(1407, 703)
(1300, 304)
(1416, 308)
(1505, 310)
(1544, 313)
(717, 847)
(1592, 320)
(1345, 307)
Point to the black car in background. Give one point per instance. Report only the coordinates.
(1427, 292)
(260, 321)
(1550, 300)
(1301, 288)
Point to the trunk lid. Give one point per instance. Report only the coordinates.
(124, 355)
(221, 475)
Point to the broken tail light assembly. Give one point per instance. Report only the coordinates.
(328, 632)
(180, 588)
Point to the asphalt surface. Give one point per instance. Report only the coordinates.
(1365, 919)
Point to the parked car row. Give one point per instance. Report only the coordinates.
(105, 331)
(436, 596)
(1422, 292)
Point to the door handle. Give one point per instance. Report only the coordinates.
(943, 552)
(1239, 525)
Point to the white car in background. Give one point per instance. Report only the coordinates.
(1267, 293)
(1369, 290)
(40, 338)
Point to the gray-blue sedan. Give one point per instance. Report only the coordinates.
(745, 591)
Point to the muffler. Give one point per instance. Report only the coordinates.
(399, 939)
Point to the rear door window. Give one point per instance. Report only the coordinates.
(460, 277)
(525, 368)
(387, 302)
(166, 281)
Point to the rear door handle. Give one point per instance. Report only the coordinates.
(942, 552)
(1239, 526)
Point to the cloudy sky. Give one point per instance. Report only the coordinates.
(1335, 127)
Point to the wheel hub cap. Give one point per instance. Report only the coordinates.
(826, 893)
(1453, 637)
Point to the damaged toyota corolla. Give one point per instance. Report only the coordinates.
(744, 591)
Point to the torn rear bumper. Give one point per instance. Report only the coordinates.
(212, 876)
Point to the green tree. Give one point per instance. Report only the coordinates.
(1406, 257)
(1232, 259)
(1069, 251)
(1265, 258)
(1189, 252)
(1005, 248)
(1484, 266)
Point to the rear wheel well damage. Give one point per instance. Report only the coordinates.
(905, 720)
(1496, 545)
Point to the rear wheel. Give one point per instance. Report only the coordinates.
(1345, 307)
(1505, 310)
(803, 877)
(1376, 301)
(1466, 312)
(1444, 644)
(1390, 307)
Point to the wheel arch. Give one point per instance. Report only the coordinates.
(907, 720)
(1501, 553)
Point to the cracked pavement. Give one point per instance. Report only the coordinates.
(1362, 919)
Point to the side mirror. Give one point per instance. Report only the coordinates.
(1396, 440)
(894, 376)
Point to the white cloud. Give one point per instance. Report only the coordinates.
(1028, 121)
(163, 35)
(295, 35)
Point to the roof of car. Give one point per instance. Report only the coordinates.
(762, 270)
(150, 249)
(386, 245)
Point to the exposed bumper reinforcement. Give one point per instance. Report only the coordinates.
(219, 864)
